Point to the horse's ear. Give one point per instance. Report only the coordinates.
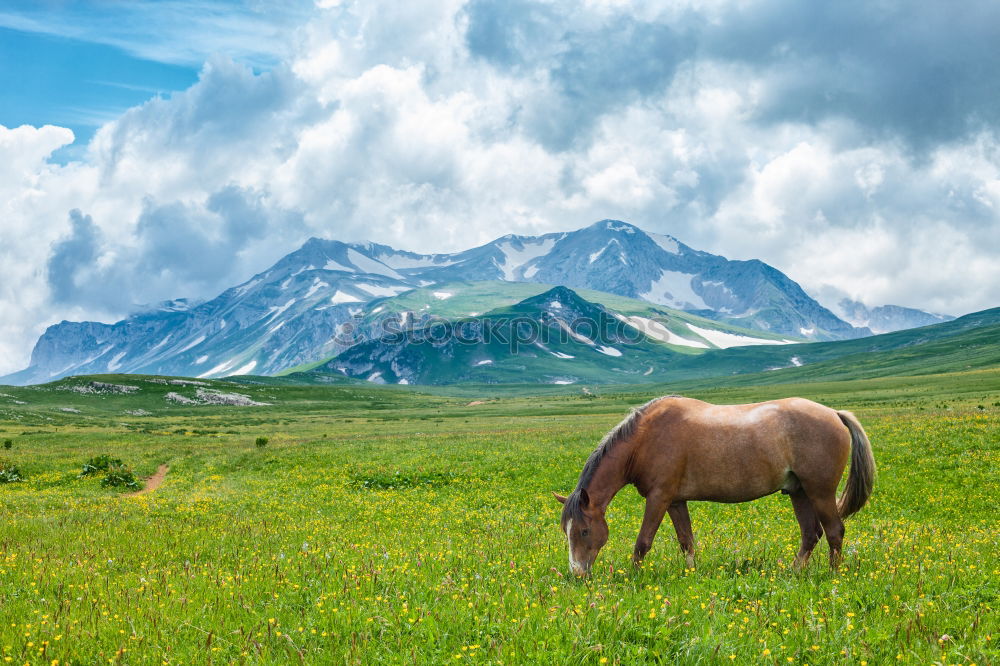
(561, 498)
(584, 497)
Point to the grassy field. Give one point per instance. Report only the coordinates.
(388, 525)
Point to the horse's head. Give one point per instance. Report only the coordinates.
(585, 528)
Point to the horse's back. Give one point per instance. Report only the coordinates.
(740, 452)
(773, 418)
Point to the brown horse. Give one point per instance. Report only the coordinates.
(676, 449)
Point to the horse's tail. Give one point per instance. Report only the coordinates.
(861, 477)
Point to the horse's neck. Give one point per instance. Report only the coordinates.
(611, 475)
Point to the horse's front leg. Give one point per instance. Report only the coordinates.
(656, 506)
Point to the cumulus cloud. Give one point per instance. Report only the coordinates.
(861, 166)
(590, 66)
(919, 73)
(189, 248)
(72, 256)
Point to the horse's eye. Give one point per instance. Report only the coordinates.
(584, 533)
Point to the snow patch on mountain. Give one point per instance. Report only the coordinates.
(194, 343)
(343, 297)
(673, 289)
(573, 334)
(115, 362)
(666, 243)
(611, 225)
(219, 369)
(244, 288)
(331, 265)
(162, 342)
(379, 291)
(597, 255)
(316, 286)
(276, 310)
(724, 340)
(246, 369)
(515, 257)
(658, 331)
(401, 261)
(369, 265)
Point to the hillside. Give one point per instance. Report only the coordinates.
(969, 342)
(540, 339)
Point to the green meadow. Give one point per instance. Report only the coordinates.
(402, 526)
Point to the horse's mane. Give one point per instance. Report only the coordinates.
(621, 432)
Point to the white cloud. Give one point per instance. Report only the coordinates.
(440, 124)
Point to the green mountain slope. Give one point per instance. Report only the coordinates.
(456, 300)
(969, 342)
(680, 331)
(975, 349)
(555, 337)
(936, 348)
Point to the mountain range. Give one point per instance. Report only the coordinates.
(330, 299)
(886, 318)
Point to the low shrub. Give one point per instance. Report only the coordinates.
(120, 476)
(402, 480)
(99, 463)
(8, 444)
(9, 472)
(261, 442)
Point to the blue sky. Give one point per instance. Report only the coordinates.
(80, 64)
(853, 145)
(53, 80)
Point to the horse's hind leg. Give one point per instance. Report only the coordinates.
(826, 509)
(809, 526)
(682, 524)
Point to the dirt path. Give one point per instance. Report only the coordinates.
(153, 482)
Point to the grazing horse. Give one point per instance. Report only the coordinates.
(675, 450)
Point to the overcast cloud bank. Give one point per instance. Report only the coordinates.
(859, 165)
